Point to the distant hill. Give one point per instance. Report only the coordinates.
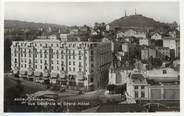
(137, 22)
(30, 25)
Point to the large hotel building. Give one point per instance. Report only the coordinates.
(82, 64)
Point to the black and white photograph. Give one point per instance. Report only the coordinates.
(91, 57)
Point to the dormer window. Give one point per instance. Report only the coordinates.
(164, 72)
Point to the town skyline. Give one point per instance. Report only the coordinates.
(95, 12)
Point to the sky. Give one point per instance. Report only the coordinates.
(81, 13)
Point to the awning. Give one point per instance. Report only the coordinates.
(37, 73)
(23, 72)
(91, 84)
(62, 79)
(46, 71)
(54, 75)
(45, 74)
(30, 72)
(62, 75)
(15, 71)
(80, 77)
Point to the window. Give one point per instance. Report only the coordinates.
(135, 87)
(80, 69)
(45, 61)
(142, 87)
(15, 60)
(69, 62)
(92, 65)
(91, 79)
(25, 65)
(73, 69)
(69, 52)
(40, 55)
(61, 51)
(29, 61)
(52, 67)
(73, 63)
(79, 52)
(92, 52)
(73, 52)
(92, 59)
(57, 67)
(62, 68)
(80, 64)
(40, 66)
(40, 61)
(74, 56)
(142, 94)
(69, 68)
(79, 57)
(164, 72)
(57, 62)
(136, 94)
(36, 66)
(62, 63)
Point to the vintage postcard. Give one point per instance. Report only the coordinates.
(90, 57)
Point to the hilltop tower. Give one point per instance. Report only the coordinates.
(135, 11)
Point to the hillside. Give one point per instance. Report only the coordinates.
(137, 22)
(30, 25)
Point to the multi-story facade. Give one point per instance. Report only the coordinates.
(147, 52)
(144, 41)
(82, 63)
(163, 51)
(171, 44)
(137, 86)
